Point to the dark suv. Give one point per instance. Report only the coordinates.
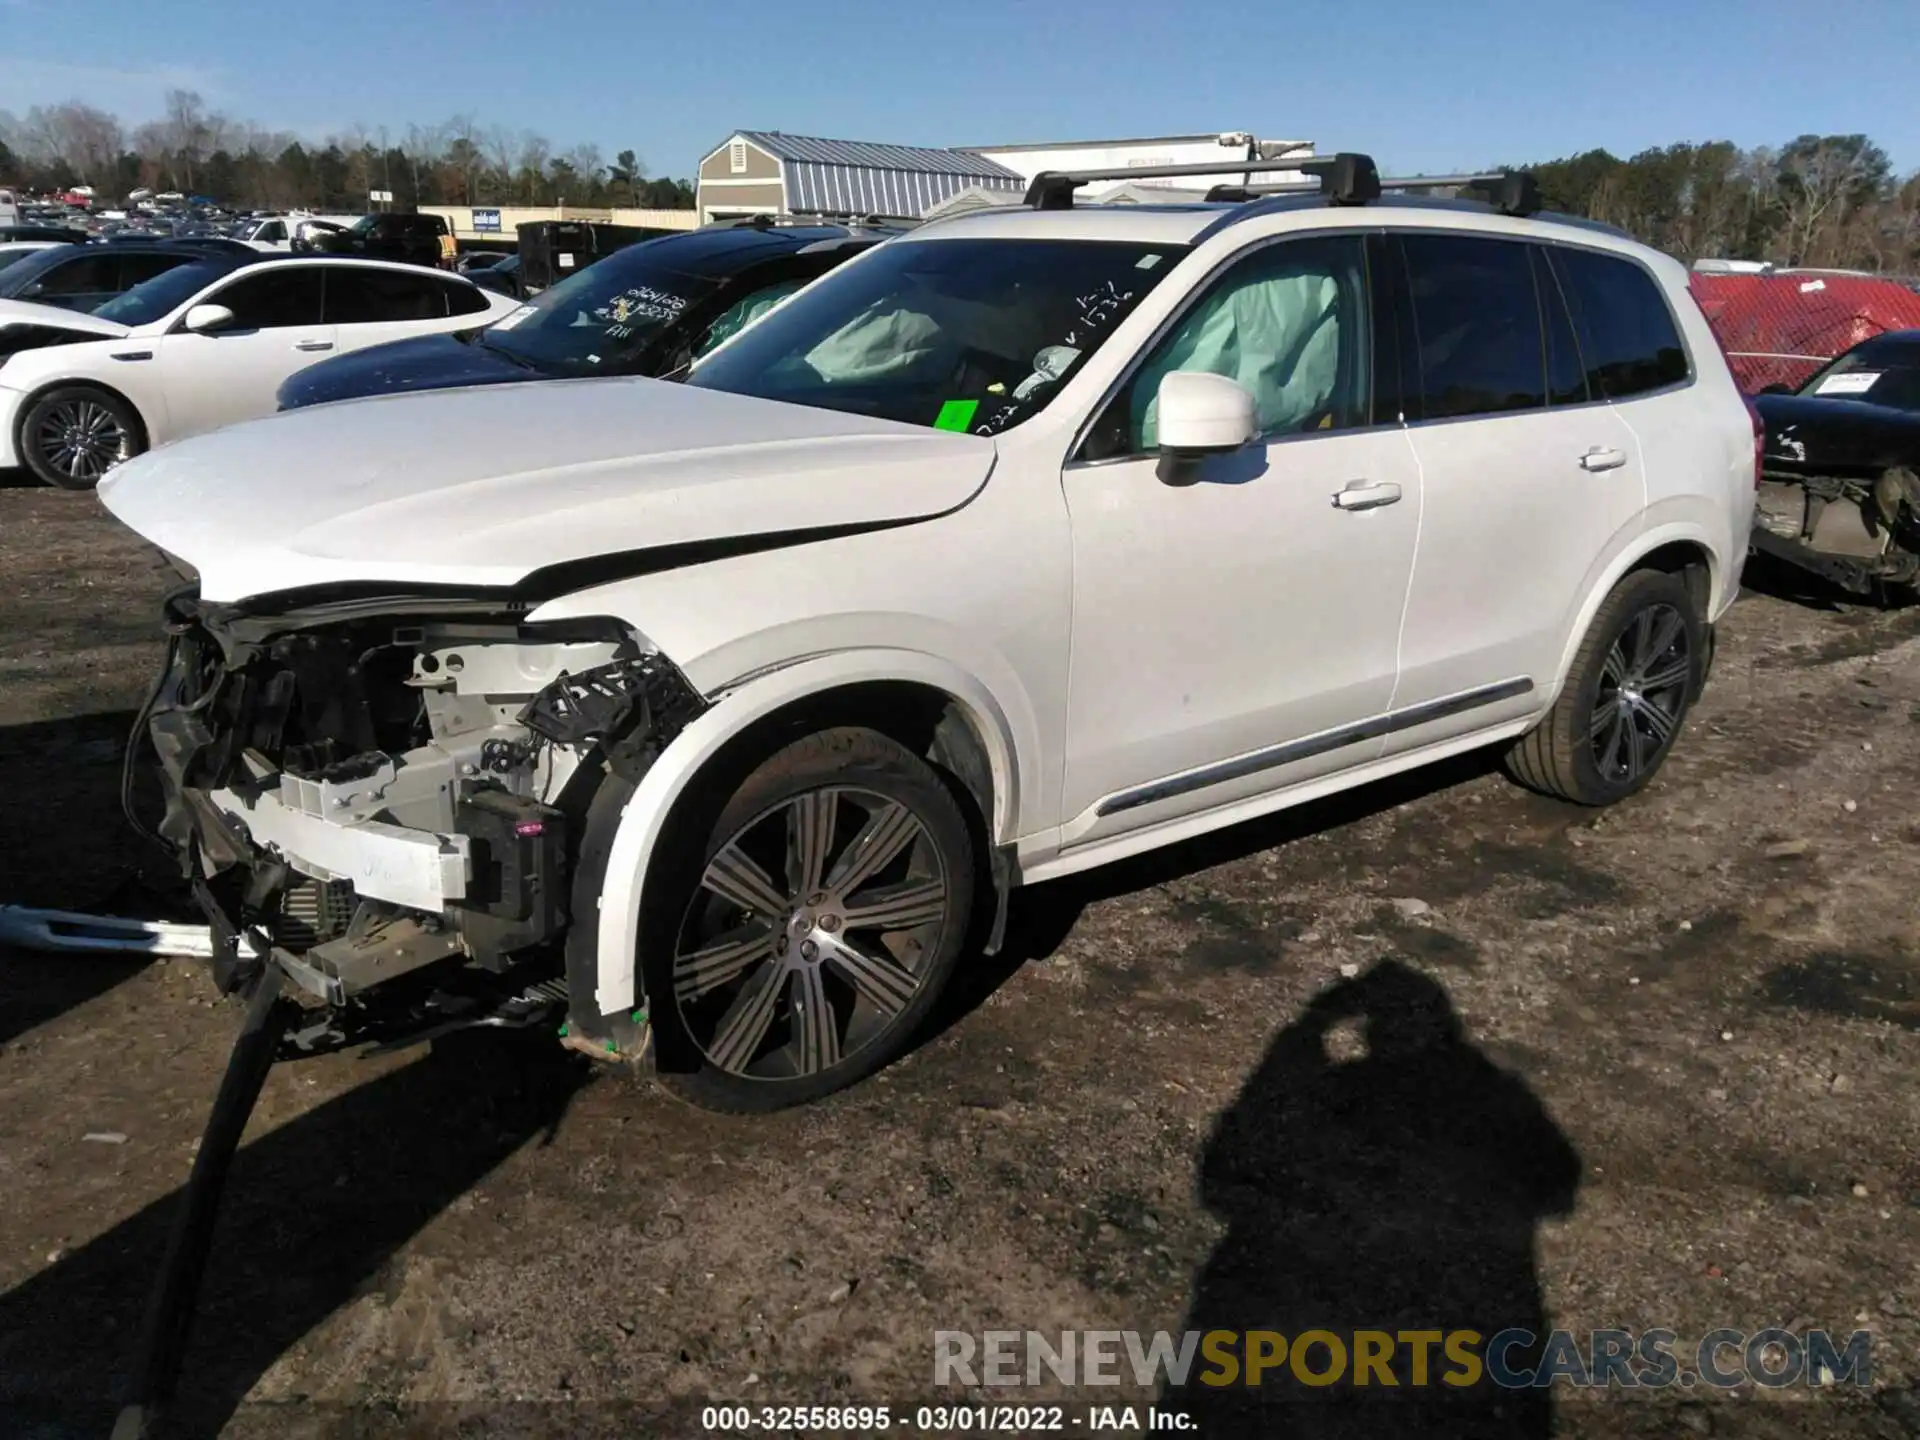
(648, 309)
(412, 239)
(84, 277)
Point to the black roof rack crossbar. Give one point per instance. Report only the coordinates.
(1511, 192)
(1347, 178)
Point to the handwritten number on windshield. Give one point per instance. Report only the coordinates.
(1095, 310)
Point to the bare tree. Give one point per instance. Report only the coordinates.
(185, 129)
(1823, 180)
(498, 145)
(534, 152)
(584, 160)
(463, 157)
(422, 147)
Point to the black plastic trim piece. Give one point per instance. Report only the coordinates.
(1273, 756)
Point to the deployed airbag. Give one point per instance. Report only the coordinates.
(1278, 336)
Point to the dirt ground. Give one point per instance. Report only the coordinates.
(1653, 1068)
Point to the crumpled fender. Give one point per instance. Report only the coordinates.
(644, 818)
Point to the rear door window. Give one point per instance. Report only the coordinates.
(1477, 337)
(372, 296)
(1627, 334)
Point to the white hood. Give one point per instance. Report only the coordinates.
(28, 312)
(478, 487)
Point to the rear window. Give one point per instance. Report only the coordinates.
(1627, 334)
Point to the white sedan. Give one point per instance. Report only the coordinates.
(204, 345)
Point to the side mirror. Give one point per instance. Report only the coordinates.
(205, 319)
(1777, 388)
(1200, 414)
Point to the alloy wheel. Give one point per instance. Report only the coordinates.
(82, 439)
(810, 933)
(1641, 695)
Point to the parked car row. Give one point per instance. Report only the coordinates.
(850, 580)
(156, 343)
(650, 309)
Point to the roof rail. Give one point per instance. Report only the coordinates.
(1347, 178)
(1511, 192)
(769, 220)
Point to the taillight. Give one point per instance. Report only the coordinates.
(1759, 439)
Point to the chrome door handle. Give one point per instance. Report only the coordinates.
(313, 345)
(1601, 458)
(1363, 495)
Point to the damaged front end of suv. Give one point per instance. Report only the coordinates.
(386, 797)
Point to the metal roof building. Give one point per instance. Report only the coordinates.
(766, 171)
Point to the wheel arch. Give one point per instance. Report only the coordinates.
(78, 382)
(1679, 548)
(933, 707)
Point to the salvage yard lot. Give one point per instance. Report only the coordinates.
(1684, 1097)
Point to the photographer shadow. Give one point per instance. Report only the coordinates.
(1394, 1191)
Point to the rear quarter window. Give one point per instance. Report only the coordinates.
(463, 299)
(1628, 337)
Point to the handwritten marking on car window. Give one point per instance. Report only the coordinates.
(642, 302)
(1096, 308)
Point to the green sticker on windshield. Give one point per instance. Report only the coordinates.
(956, 415)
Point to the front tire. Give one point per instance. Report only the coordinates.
(826, 914)
(1637, 672)
(71, 437)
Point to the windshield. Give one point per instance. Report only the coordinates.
(152, 299)
(601, 320)
(1880, 374)
(959, 334)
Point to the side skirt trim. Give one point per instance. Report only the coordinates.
(1274, 756)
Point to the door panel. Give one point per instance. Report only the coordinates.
(1521, 496)
(218, 379)
(1217, 624)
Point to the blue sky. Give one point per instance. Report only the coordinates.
(1423, 85)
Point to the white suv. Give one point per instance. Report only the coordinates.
(1032, 539)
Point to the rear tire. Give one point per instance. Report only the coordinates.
(72, 436)
(1635, 675)
(824, 910)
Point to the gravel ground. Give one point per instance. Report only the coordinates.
(1652, 1068)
